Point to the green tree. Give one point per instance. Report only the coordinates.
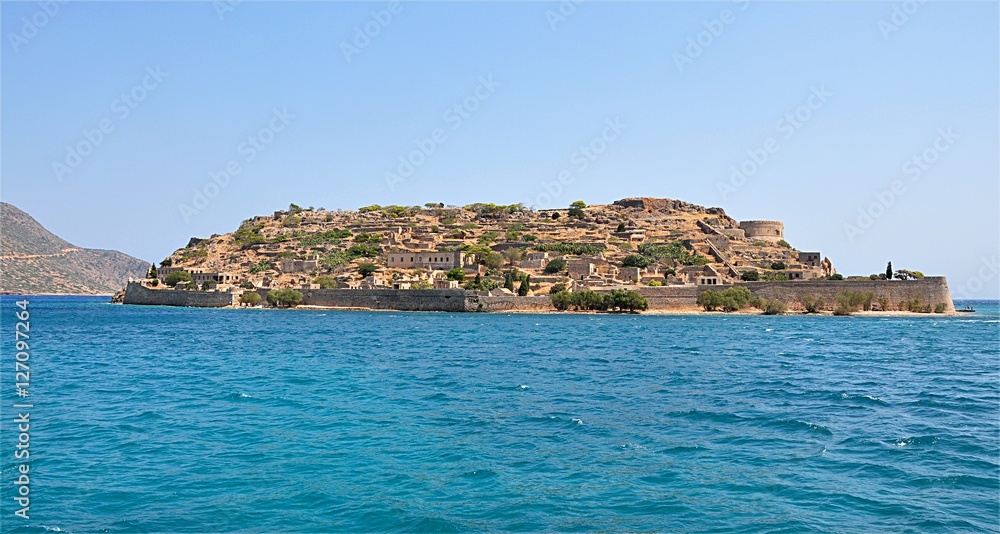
(493, 260)
(888, 271)
(152, 271)
(250, 298)
(778, 266)
(175, 277)
(555, 215)
(555, 265)
(621, 227)
(291, 221)
(284, 297)
(367, 268)
(576, 209)
(456, 274)
(522, 290)
(557, 288)
(749, 276)
(513, 255)
(637, 260)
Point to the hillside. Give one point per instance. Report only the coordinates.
(632, 241)
(34, 261)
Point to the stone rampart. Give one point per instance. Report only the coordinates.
(136, 293)
(931, 290)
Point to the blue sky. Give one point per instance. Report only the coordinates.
(823, 105)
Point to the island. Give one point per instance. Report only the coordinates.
(636, 254)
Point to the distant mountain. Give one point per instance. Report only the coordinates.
(34, 261)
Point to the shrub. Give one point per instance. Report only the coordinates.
(757, 302)
(759, 244)
(334, 259)
(940, 308)
(837, 276)
(513, 255)
(493, 260)
(364, 250)
(851, 301)
(812, 304)
(284, 297)
(555, 266)
(731, 299)
(155, 282)
(670, 272)
(637, 260)
(557, 288)
(260, 266)
(576, 249)
(247, 284)
(621, 227)
(843, 310)
(655, 283)
(555, 215)
(783, 243)
(250, 298)
(456, 274)
(675, 251)
(774, 307)
(367, 268)
(177, 276)
(291, 221)
(365, 237)
(778, 266)
(749, 276)
(489, 237)
(325, 282)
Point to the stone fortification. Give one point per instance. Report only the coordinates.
(136, 293)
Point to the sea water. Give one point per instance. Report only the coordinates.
(159, 419)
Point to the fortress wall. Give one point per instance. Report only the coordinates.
(538, 303)
(666, 297)
(136, 293)
(452, 300)
(930, 290)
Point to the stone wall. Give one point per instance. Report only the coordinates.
(667, 297)
(136, 293)
(538, 303)
(930, 290)
(452, 300)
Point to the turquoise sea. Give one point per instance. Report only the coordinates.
(153, 419)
